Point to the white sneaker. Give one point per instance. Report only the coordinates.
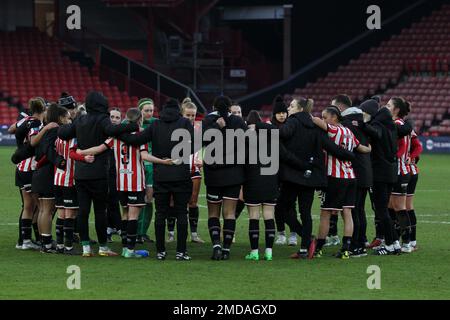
(196, 238)
(327, 242)
(281, 239)
(18, 246)
(292, 241)
(29, 246)
(332, 241)
(397, 245)
(407, 248)
(171, 237)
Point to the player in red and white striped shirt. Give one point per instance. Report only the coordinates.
(130, 181)
(397, 203)
(340, 195)
(27, 131)
(189, 111)
(415, 151)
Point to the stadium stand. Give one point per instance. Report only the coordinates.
(413, 64)
(32, 65)
(431, 101)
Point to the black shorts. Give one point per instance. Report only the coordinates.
(412, 185)
(400, 188)
(340, 194)
(59, 199)
(217, 194)
(70, 197)
(24, 179)
(132, 199)
(251, 203)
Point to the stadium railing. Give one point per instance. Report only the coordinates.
(137, 79)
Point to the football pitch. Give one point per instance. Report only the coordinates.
(420, 275)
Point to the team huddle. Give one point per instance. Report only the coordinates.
(70, 156)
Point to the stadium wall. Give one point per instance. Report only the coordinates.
(16, 13)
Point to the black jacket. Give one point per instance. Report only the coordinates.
(43, 176)
(261, 186)
(383, 137)
(305, 140)
(221, 175)
(92, 130)
(24, 149)
(159, 133)
(353, 119)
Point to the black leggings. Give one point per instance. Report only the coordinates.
(181, 193)
(381, 192)
(279, 216)
(359, 218)
(114, 219)
(95, 191)
(20, 240)
(291, 192)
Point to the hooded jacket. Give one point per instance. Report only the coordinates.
(221, 175)
(92, 130)
(305, 140)
(353, 119)
(383, 137)
(43, 176)
(159, 133)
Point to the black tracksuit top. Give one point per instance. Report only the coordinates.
(305, 140)
(92, 130)
(159, 133)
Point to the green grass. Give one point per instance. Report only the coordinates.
(421, 275)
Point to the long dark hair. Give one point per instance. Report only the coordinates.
(403, 106)
(54, 113)
(253, 117)
(334, 111)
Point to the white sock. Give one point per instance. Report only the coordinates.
(104, 249)
(268, 250)
(390, 248)
(26, 241)
(60, 246)
(171, 233)
(397, 245)
(69, 248)
(109, 230)
(413, 243)
(282, 233)
(255, 251)
(194, 234)
(86, 249)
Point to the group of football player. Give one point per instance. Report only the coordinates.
(71, 155)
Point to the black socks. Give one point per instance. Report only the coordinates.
(214, 230)
(229, 227)
(193, 218)
(270, 232)
(253, 233)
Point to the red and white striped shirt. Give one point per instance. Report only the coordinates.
(65, 178)
(195, 170)
(404, 147)
(29, 164)
(414, 152)
(129, 166)
(345, 138)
